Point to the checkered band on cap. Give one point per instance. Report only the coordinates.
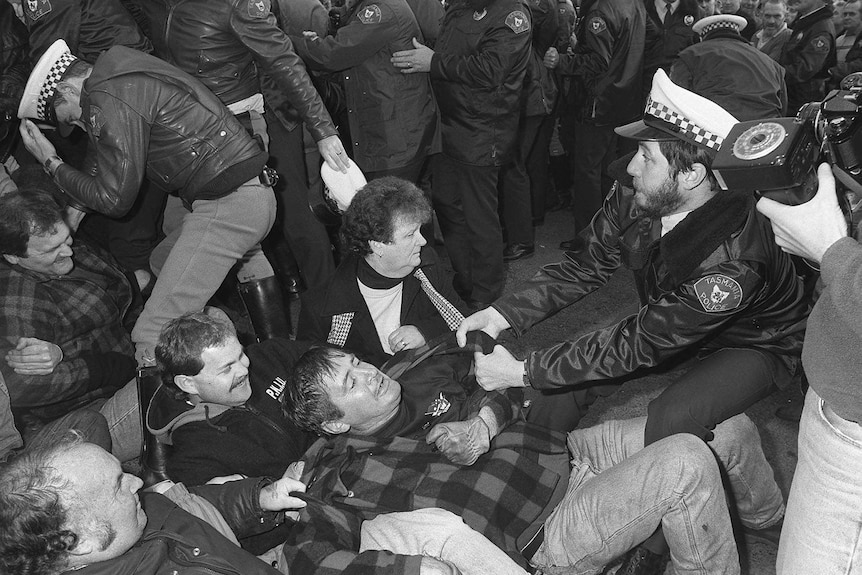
(685, 127)
(55, 74)
(340, 328)
(718, 25)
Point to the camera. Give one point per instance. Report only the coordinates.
(778, 157)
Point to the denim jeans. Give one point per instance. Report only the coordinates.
(124, 422)
(822, 532)
(440, 534)
(620, 491)
(194, 259)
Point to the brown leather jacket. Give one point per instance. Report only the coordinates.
(716, 280)
(225, 43)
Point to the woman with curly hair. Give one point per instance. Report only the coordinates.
(389, 293)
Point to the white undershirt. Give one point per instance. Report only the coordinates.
(669, 222)
(385, 308)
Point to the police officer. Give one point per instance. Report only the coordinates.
(477, 70)
(392, 116)
(808, 54)
(223, 44)
(607, 77)
(726, 69)
(672, 21)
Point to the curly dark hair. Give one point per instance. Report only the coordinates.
(183, 340)
(34, 539)
(25, 213)
(306, 402)
(377, 208)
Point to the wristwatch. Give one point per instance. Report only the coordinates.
(51, 164)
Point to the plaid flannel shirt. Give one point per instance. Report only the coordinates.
(81, 312)
(506, 494)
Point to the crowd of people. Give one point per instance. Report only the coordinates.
(167, 188)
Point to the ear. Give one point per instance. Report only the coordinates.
(187, 384)
(11, 259)
(68, 90)
(692, 178)
(335, 427)
(80, 555)
(375, 246)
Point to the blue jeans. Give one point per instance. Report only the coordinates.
(822, 532)
(620, 491)
(195, 257)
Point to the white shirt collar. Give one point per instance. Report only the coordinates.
(670, 222)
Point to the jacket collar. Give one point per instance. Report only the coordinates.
(804, 22)
(342, 294)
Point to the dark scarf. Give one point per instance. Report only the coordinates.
(710, 224)
(371, 278)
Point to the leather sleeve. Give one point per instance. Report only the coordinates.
(500, 51)
(352, 44)
(239, 504)
(274, 53)
(658, 331)
(118, 156)
(810, 58)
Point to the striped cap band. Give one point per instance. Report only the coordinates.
(684, 126)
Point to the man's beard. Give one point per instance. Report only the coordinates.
(661, 202)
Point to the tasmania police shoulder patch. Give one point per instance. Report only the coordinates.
(518, 21)
(35, 9)
(820, 44)
(718, 293)
(259, 8)
(370, 14)
(95, 120)
(597, 25)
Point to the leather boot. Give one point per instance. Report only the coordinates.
(154, 455)
(281, 257)
(265, 306)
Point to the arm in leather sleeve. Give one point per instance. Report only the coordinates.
(810, 59)
(274, 53)
(351, 45)
(501, 51)
(657, 332)
(558, 285)
(117, 159)
(239, 504)
(593, 53)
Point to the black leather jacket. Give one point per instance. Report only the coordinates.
(807, 57)
(89, 27)
(222, 43)
(477, 72)
(607, 66)
(143, 114)
(716, 280)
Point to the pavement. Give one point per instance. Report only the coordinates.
(613, 302)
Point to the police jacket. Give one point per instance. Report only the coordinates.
(716, 280)
(477, 73)
(674, 34)
(734, 74)
(607, 66)
(540, 88)
(174, 541)
(393, 116)
(807, 56)
(223, 43)
(89, 27)
(144, 115)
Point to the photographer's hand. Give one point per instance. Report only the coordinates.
(808, 229)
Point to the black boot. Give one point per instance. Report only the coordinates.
(265, 306)
(281, 257)
(154, 455)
